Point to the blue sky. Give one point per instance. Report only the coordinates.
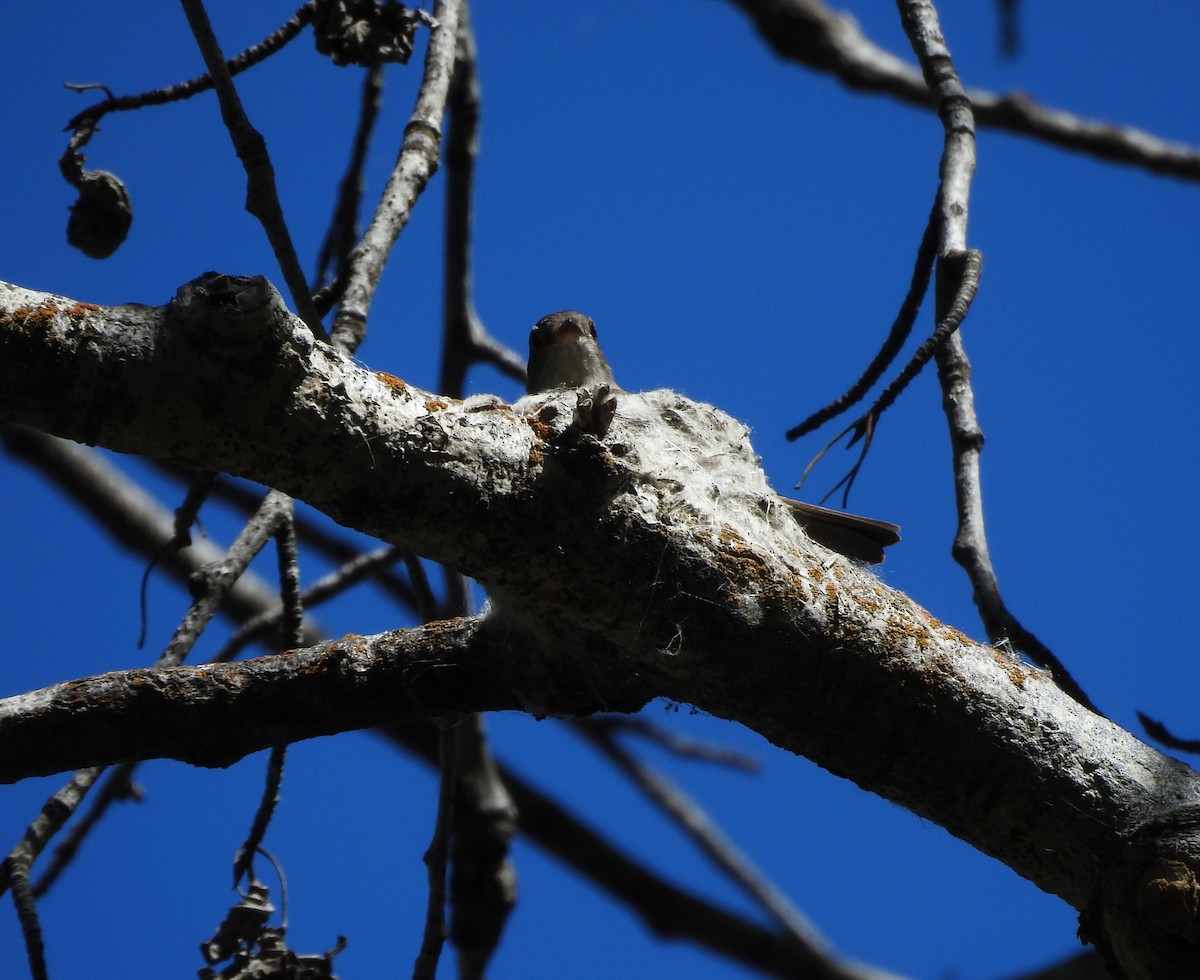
(743, 231)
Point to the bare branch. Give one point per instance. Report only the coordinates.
(260, 627)
(192, 713)
(253, 55)
(958, 274)
(417, 162)
(133, 518)
(899, 333)
(970, 548)
(262, 201)
(437, 856)
(667, 910)
(946, 233)
(118, 787)
(464, 339)
(825, 40)
(343, 227)
(958, 122)
(312, 532)
(483, 884)
(720, 850)
(678, 745)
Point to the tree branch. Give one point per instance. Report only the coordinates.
(809, 32)
(214, 714)
(418, 161)
(262, 200)
(687, 579)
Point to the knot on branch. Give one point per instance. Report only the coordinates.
(242, 324)
(1168, 899)
(1146, 910)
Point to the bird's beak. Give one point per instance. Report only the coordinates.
(568, 330)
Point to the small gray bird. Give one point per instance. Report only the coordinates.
(564, 353)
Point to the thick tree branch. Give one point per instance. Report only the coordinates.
(140, 524)
(215, 714)
(656, 562)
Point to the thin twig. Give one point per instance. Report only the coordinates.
(417, 162)
(118, 787)
(17, 878)
(1160, 733)
(129, 515)
(483, 887)
(464, 339)
(899, 333)
(426, 601)
(252, 56)
(949, 229)
(289, 582)
(678, 745)
(826, 40)
(50, 819)
(967, 266)
(211, 584)
(262, 199)
(666, 909)
(243, 862)
(186, 514)
(958, 271)
(970, 547)
(212, 581)
(1010, 27)
(436, 856)
(483, 883)
(721, 851)
(293, 619)
(343, 226)
(136, 521)
(317, 536)
(354, 571)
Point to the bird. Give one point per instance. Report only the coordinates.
(564, 353)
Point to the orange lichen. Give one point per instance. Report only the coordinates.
(38, 315)
(730, 537)
(1017, 673)
(953, 635)
(398, 386)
